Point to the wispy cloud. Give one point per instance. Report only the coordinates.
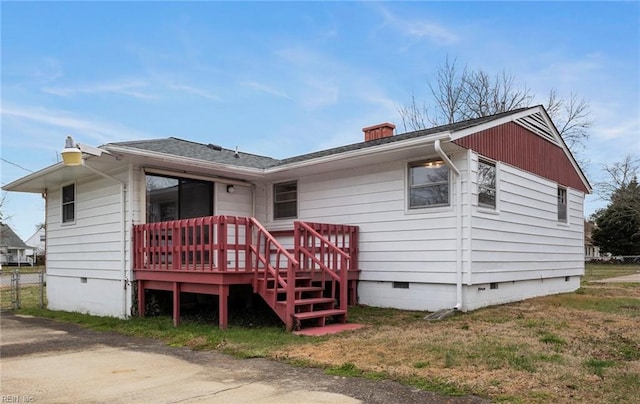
(194, 91)
(131, 88)
(265, 89)
(417, 29)
(48, 70)
(97, 130)
(321, 93)
(138, 89)
(629, 128)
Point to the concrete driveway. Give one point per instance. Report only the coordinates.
(44, 361)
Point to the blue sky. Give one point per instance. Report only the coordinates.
(282, 79)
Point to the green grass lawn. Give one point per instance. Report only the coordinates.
(595, 272)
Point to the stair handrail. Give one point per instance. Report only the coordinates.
(292, 267)
(332, 272)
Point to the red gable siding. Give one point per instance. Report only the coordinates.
(515, 145)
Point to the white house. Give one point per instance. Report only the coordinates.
(462, 216)
(37, 244)
(12, 248)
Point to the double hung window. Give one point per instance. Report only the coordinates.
(429, 184)
(69, 203)
(562, 205)
(486, 184)
(285, 200)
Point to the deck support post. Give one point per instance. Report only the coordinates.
(141, 302)
(353, 294)
(176, 304)
(223, 307)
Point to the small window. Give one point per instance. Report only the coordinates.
(285, 200)
(562, 205)
(486, 184)
(69, 203)
(428, 184)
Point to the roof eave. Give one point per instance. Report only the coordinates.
(353, 154)
(193, 162)
(22, 184)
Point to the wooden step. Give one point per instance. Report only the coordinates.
(309, 288)
(320, 313)
(312, 300)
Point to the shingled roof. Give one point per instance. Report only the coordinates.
(9, 239)
(217, 154)
(206, 152)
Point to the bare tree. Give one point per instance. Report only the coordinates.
(619, 176)
(571, 117)
(461, 94)
(3, 200)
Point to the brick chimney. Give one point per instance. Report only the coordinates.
(378, 131)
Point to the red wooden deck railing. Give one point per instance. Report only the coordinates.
(270, 257)
(317, 253)
(241, 245)
(212, 243)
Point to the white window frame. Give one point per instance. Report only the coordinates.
(275, 201)
(562, 199)
(494, 164)
(63, 204)
(410, 186)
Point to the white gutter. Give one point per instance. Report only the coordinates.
(123, 245)
(261, 172)
(452, 166)
(366, 151)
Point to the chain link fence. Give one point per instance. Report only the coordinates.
(616, 259)
(21, 288)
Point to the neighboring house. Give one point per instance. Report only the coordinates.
(466, 215)
(591, 251)
(37, 243)
(12, 248)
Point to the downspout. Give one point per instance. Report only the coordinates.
(253, 200)
(123, 246)
(452, 166)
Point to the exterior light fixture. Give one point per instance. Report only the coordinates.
(71, 155)
(231, 189)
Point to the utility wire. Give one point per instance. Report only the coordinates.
(14, 164)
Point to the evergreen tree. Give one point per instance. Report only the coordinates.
(617, 228)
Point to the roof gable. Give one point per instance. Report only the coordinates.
(517, 145)
(10, 239)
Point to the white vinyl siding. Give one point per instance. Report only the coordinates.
(91, 249)
(237, 203)
(94, 243)
(395, 245)
(524, 240)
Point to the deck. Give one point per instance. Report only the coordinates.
(307, 275)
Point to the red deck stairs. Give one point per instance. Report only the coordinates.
(306, 286)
